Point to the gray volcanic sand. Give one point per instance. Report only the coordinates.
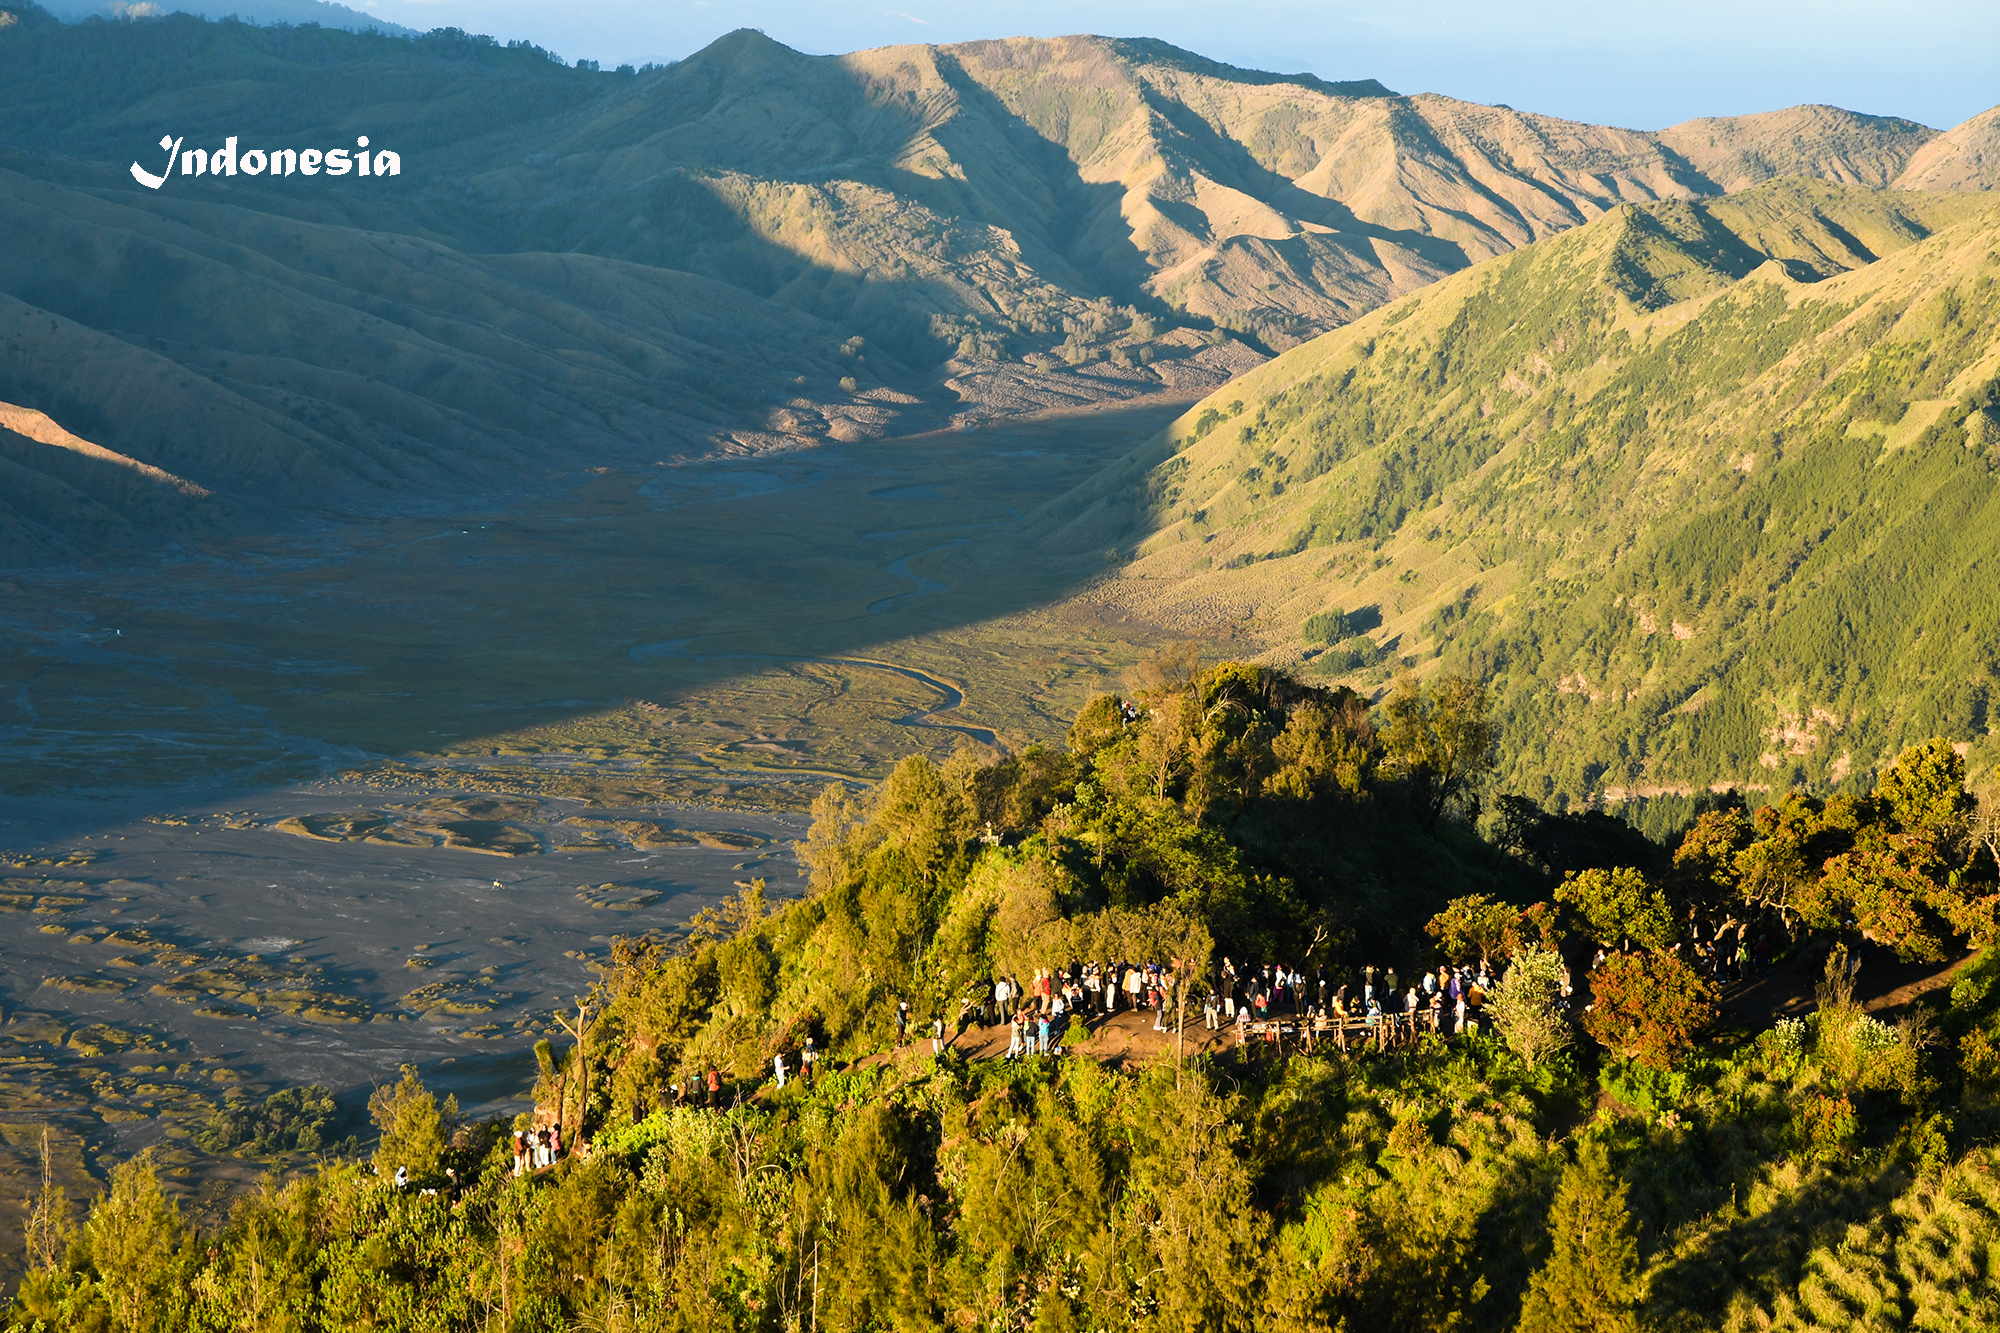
(348, 917)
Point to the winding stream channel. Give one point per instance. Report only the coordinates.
(950, 696)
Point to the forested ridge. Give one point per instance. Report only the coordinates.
(1610, 1142)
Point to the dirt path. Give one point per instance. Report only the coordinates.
(1885, 986)
(1125, 1036)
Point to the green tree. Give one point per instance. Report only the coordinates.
(1324, 748)
(1473, 924)
(1925, 791)
(414, 1128)
(1191, 1193)
(1885, 891)
(1100, 723)
(1619, 905)
(1526, 1005)
(917, 811)
(134, 1236)
(1027, 920)
(840, 835)
(1439, 739)
(1326, 628)
(1591, 1281)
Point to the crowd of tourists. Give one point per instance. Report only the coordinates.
(1039, 1012)
(1249, 998)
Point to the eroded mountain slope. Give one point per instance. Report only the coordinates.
(251, 353)
(1966, 157)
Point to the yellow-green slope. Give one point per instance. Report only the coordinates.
(1701, 520)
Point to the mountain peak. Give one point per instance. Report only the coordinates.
(1152, 51)
(1736, 152)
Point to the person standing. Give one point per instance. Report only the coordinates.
(807, 1059)
(902, 1021)
(778, 1064)
(520, 1154)
(714, 1086)
(937, 1036)
(1043, 1024)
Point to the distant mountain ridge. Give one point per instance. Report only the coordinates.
(905, 236)
(1273, 206)
(323, 12)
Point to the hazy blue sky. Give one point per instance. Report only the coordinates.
(1622, 62)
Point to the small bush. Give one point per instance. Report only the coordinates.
(1644, 1088)
(1326, 628)
(1823, 1127)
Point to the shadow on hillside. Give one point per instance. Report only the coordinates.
(1755, 1259)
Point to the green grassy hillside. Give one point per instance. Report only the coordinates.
(1709, 487)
